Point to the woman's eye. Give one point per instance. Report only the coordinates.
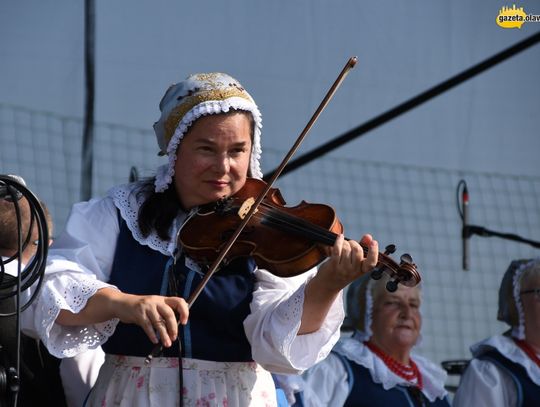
(237, 151)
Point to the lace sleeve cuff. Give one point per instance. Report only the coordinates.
(289, 315)
(276, 316)
(71, 293)
(308, 349)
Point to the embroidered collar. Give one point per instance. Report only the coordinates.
(411, 373)
(433, 377)
(128, 202)
(510, 350)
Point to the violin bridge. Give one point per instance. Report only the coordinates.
(246, 206)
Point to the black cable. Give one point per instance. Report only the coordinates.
(459, 189)
(13, 190)
(35, 269)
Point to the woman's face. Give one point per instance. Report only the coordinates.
(531, 304)
(213, 158)
(396, 318)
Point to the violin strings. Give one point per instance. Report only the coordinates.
(274, 217)
(308, 229)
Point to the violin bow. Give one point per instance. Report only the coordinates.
(213, 268)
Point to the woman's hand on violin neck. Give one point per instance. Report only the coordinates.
(347, 262)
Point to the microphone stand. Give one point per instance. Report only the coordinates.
(469, 230)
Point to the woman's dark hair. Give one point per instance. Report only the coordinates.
(160, 208)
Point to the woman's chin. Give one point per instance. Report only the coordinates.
(407, 338)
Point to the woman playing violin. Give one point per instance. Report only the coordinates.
(118, 278)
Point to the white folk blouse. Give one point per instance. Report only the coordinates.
(80, 263)
(484, 384)
(326, 384)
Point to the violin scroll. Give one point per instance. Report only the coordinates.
(405, 272)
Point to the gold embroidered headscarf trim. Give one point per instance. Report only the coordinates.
(190, 102)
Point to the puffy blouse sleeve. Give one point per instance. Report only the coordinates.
(275, 318)
(79, 264)
(326, 383)
(484, 384)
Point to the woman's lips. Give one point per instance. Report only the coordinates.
(219, 184)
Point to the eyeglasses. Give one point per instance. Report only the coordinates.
(535, 291)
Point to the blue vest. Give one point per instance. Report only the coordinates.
(215, 329)
(528, 392)
(364, 392)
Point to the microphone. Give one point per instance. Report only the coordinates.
(464, 228)
(6, 190)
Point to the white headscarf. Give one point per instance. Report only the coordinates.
(510, 305)
(199, 95)
(359, 305)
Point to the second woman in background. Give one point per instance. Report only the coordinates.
(375, 366)
(505, 369)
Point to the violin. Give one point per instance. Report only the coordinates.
(286, 241)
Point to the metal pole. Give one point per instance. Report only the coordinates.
(87, 153)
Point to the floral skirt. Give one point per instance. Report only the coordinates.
(128, 381)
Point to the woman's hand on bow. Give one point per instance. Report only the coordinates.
(155, 314)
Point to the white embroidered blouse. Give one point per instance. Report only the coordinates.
(80, 263)
(327, 382)
(486, 384)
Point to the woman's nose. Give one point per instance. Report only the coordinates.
(223, 164)
(405, 310)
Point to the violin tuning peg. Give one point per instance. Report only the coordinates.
(406, 258)
(392, 285)
(391, 248)
(377, 273)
